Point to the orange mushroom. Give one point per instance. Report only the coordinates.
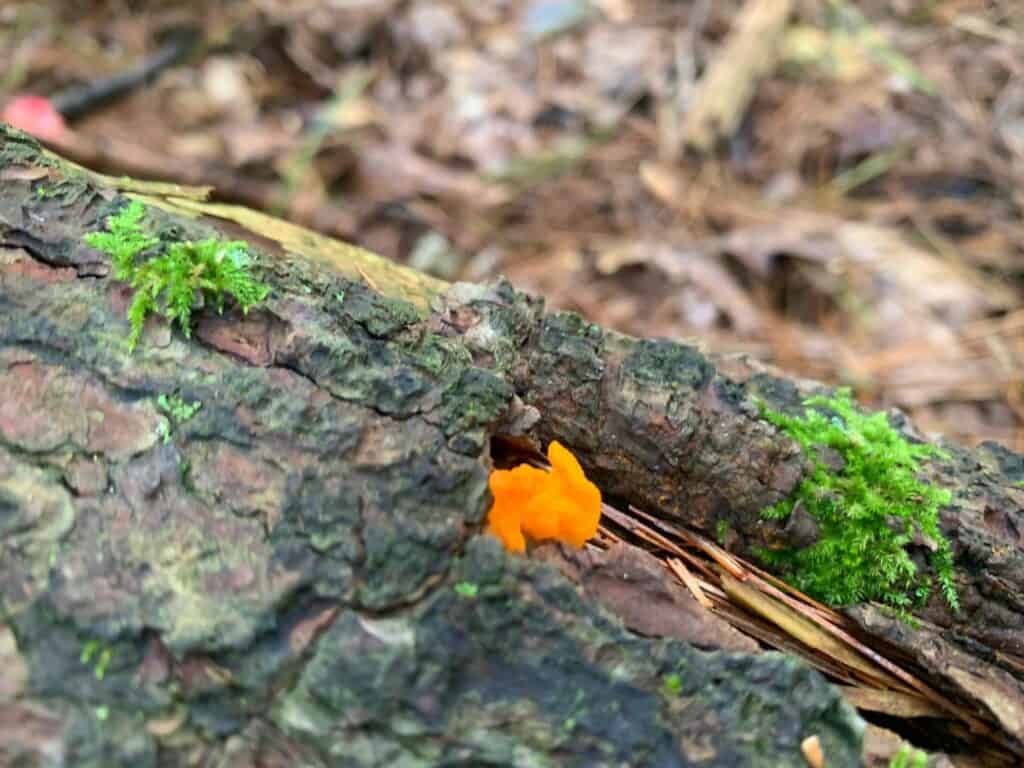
(561, 504)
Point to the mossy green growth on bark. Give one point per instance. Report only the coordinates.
(908, 757)
(869, 505)
(173, 282)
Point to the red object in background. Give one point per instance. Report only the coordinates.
(35, 115)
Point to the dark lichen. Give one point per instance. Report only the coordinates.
(19, 148)
(380, 316)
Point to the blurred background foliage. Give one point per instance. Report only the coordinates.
(857, 218)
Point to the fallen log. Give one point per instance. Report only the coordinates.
(261, 544)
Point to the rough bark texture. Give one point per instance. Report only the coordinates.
(274, 582)
(675, 432)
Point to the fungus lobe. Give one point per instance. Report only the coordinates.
(561, 504)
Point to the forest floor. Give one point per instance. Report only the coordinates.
(861, 226)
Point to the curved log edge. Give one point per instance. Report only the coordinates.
(274, 580)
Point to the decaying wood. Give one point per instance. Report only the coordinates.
(275, 582)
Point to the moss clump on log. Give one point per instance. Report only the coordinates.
(869, 505)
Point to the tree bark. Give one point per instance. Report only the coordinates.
(273, 581)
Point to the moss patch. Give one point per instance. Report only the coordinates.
(173, 282)
(908, 757)
(870, 506)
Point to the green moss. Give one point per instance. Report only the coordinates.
(102, 654)
(174, 281)
(124, 240)
(178, 412)
(908, 757)
(178, 409)
(467, 589)
(721, 531)
(868, 510)
(673, 684)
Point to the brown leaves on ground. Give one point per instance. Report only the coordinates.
(861, 224)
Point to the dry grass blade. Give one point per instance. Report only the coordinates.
(780, 616)
(716, 553)
(807, 631)
(823, 610)
(770, 636)
(683, 573)
(1011, 659)
(889, 702)
(914, 683)
(641, 531)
